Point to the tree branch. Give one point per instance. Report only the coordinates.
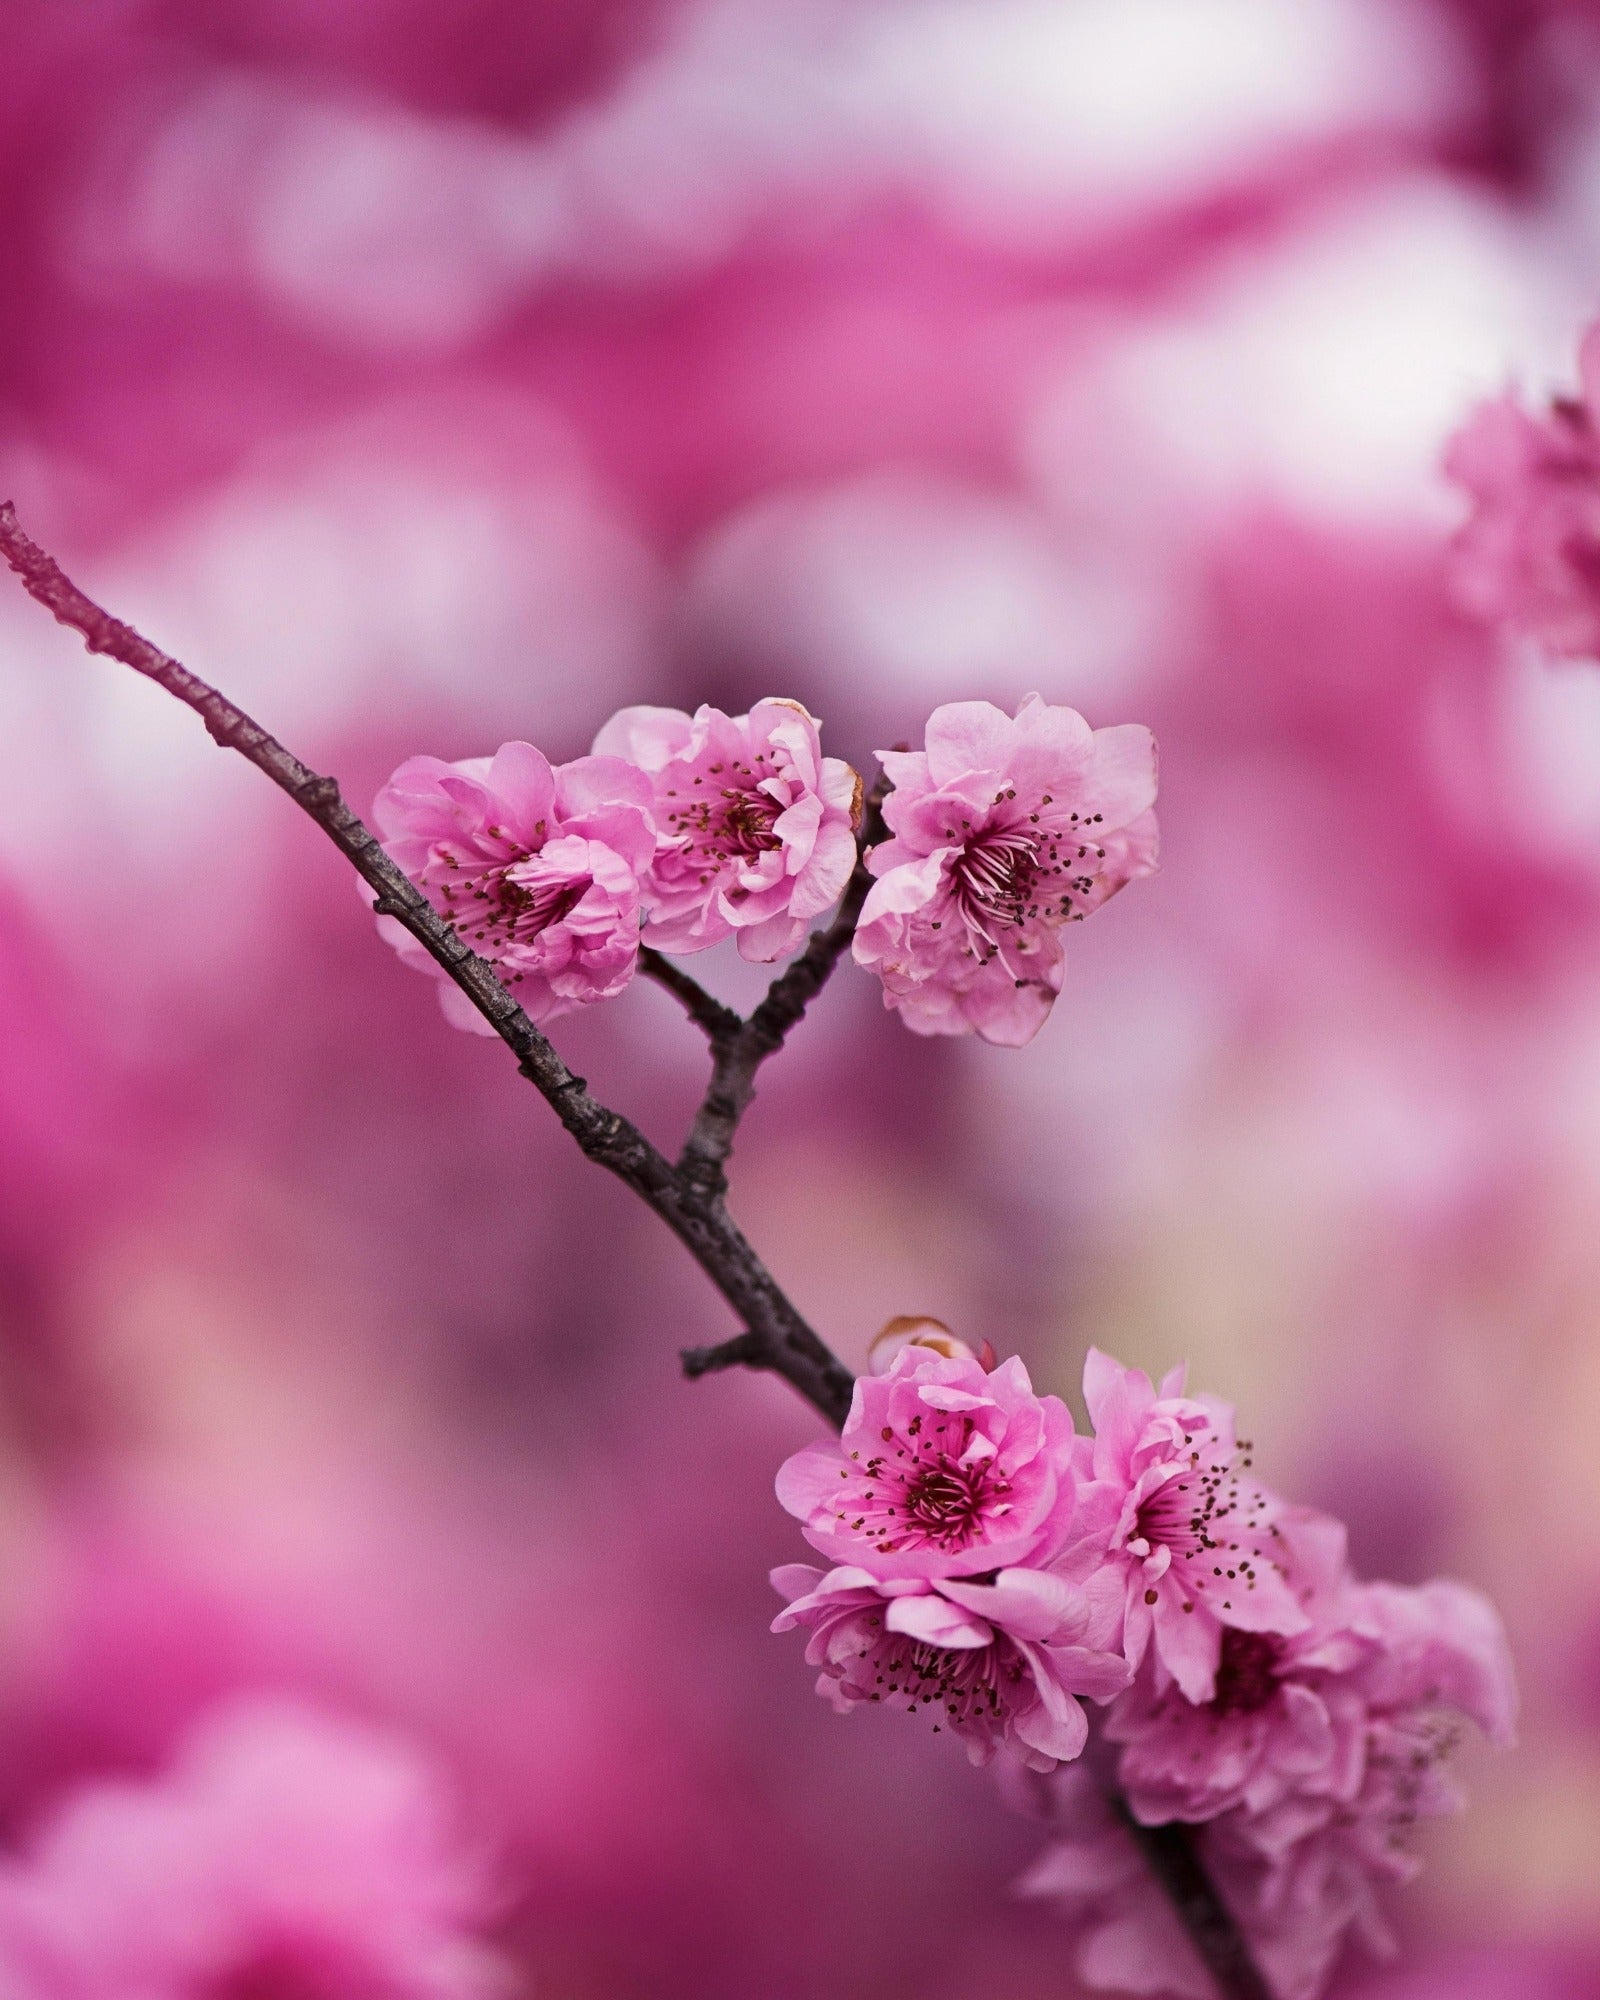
(743, 1351)
(705, 1010)
(688, 1197)
(788, 1346)
(737, 1056)
(1171, 1855)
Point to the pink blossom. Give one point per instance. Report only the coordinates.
(1006, 1659)
(1172, 1510)
(284, 1854)
(1294, 1919)
(757, 827)
(1128, 1938)
(1282, 1720)
(1313, 1817)
(1440, 1645)
(942, 1469)
(1004, 831)
(537, 868)
(1529, 553)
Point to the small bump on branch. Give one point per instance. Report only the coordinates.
(744, 1350)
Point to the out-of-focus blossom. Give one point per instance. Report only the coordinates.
(537, 868)
(284, 1853)
(1197, 1541)
(1005, 829)
(1441, 1644)
(1126, 1939)
(1308, 1768)
(756, 826)
(942, 1469)
(1006, 1659)
(1293, 1720)
(1129, 1941)
(1523, 1969)
(1528, 556)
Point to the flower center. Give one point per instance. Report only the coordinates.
(1024, 872)
(1177, 1516)
(736, 822)
(992, 879)
(923, 1490)
(1247, 1677)
(492, 908)
(944, 1500)
(748, 820)
(974, 1684)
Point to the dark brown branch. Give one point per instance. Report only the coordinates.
(743, 1351)
(703, 1008)
(1170, 1855)
(737, 1056)
(688, 1198)
(789, 1347)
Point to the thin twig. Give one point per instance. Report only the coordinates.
(736, 1057)
(705, 1010)
(688, 1198)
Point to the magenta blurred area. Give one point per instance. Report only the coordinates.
(432, 375)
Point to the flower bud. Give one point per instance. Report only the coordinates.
(914, 1330)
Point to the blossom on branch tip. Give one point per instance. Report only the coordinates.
(1005, 829)
(537, 867)
(756, 828)
(1528, 556)
(943, 1468)
(1005, 1658)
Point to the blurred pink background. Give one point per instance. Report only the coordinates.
(431, 375)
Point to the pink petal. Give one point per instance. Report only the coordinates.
(937, 1623)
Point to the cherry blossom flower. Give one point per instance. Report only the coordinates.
(1295, 1916)
(1006, 1659)
(537, 868)
(756, 826)
(284, 1853)
(1282, 1719)
(1005, 830)
(1128, 1939)
(1170, 1506)
(942, 1469)
(1528, 556)
(1306, 1815)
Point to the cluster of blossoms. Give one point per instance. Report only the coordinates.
(993, 1570)
(1528, 556)
(680, 831)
